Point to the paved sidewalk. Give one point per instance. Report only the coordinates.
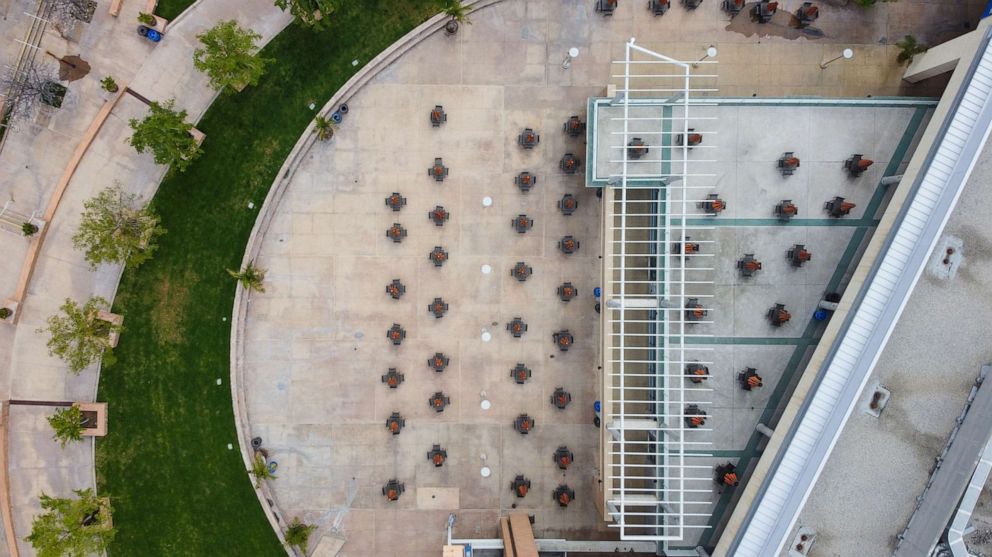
(30, 165)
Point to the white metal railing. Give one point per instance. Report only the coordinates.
(654, 491)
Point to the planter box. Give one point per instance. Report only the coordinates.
(160, 24)
(98, 411)
(113, 319)
(197, 135)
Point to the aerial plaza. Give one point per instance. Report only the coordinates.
(239, 319)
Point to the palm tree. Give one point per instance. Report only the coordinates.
(908, 48)
(251, 277)
(458, 13)
(260, 469)
(324, 127)
(298, 534)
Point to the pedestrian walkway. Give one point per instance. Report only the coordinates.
(30, 165)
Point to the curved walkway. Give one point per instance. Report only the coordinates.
(36, 462)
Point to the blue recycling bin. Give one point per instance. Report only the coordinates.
(820, 314)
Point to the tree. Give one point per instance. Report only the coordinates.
(324, 128)
(229, 56)
(260, 469)
(66, 13)
(72, 527)
(310, 12)
(23, 89)
(908, 48)
(298, 534)
(167, 134)
(68, 424)
(78, 335)
(251, 277)
(114, 229)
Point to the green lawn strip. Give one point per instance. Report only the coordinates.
(169, 9)
(175, 487)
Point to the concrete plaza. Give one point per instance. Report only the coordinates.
(315, 342)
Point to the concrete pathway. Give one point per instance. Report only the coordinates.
(29, 167)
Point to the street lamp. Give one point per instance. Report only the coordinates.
(847, 54)
(710, 53)
(572, 54)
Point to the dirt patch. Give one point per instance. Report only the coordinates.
(167, 318)
(783, 24)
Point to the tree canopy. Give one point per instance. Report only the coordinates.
(72, 527)
(166, 133)
(68, 424)
(115, 229)
(78, 335)
(310, 12)
(229, 56)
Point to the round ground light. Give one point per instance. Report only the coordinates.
(486, 269)
(487, 201)
(485, 405)
(486, 336)
(485, 472)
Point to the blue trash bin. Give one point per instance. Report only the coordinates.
(336, 117)
(153, 36)
(820, 314)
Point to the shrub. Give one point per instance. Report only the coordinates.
(29, 229)
(5, 313)
(147, 19)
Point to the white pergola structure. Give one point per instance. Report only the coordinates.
(657, 477)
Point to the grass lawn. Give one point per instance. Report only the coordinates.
(169, 9)
(175, 487)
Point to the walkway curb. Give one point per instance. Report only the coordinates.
(267, 213)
